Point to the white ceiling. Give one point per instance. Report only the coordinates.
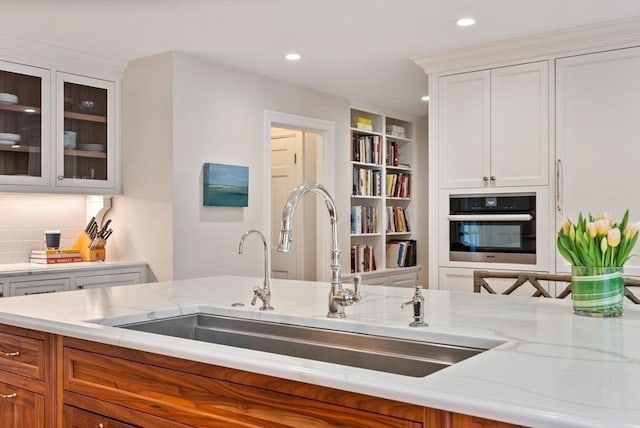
(358, 49)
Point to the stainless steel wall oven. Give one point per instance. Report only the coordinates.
(493, 228)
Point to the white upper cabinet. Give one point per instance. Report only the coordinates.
(25, 131)
(464, 132)
(598, 138)
(85, 133)
(58, 131)
(493, 127)
(520, 125)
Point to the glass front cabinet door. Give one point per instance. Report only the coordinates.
(24, 125)
(85, 148)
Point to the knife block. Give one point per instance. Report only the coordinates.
(89, 255)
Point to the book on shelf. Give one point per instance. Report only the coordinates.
(397, 220)
(366, 149)
(366, 182)
(401, 253)
(364, 219)
(364, 123)
(362, 258)
(55, 260)
(398, 185)
(396, 130)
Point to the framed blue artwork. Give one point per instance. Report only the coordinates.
(225, 185)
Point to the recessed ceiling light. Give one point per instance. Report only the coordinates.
(425, 98)
(465, 22)
(293, 56)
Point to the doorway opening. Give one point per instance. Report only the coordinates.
(298, 152)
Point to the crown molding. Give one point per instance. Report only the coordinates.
(47, 55)
(603, 36)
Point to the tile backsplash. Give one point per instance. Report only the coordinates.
(24, 218)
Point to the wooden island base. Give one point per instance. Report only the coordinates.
(66, 382)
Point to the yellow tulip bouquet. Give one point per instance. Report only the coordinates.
(597, 242)
(597, 248)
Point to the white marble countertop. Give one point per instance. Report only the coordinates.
(549, 368)
(12, 269)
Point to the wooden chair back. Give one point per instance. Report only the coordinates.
(534, 278)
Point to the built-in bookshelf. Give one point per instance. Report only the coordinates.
(382, 158)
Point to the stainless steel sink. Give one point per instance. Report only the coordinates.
(391, 355)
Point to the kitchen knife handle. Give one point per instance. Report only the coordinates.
(86, 229)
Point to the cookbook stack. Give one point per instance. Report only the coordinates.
(68, 255)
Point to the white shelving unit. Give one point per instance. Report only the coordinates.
(382, 161)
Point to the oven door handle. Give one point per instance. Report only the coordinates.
(490, 217)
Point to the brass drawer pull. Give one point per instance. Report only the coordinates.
(10, 354)
(14, 395)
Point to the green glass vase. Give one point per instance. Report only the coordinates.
(597, 291)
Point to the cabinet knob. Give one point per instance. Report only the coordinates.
(9, 396)
(100, 425)
(485, 178)
(80, 287)
(493, 178)
(61, 177)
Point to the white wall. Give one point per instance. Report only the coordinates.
(218, 116)
(214, 114)
(143, 216)
(293, 99)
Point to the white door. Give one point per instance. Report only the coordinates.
(598, 138)
(520, 125)
(286, 174)
(464, 130)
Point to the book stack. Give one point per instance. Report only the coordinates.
(396, 131)
(364, 219)
(398, 185)
(367, 149)
(397, 220)
(68, 255)
(362, 259)
(364, 123)
(366, 182)
(401, 253)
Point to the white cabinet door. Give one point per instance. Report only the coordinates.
(23, 288)
(598, 138)
(464, 130)
(493, 127)
(520, 125)
(25, 132)
(86, 152)
(106, 280)
(455, 279)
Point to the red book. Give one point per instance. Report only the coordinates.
(54, 260)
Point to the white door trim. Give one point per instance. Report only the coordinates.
(327, 171)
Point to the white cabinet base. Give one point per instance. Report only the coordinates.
(76, 277)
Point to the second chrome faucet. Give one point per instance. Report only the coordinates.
(264, 293)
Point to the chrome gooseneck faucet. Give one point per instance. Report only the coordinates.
(263, 293)
(338, 296)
